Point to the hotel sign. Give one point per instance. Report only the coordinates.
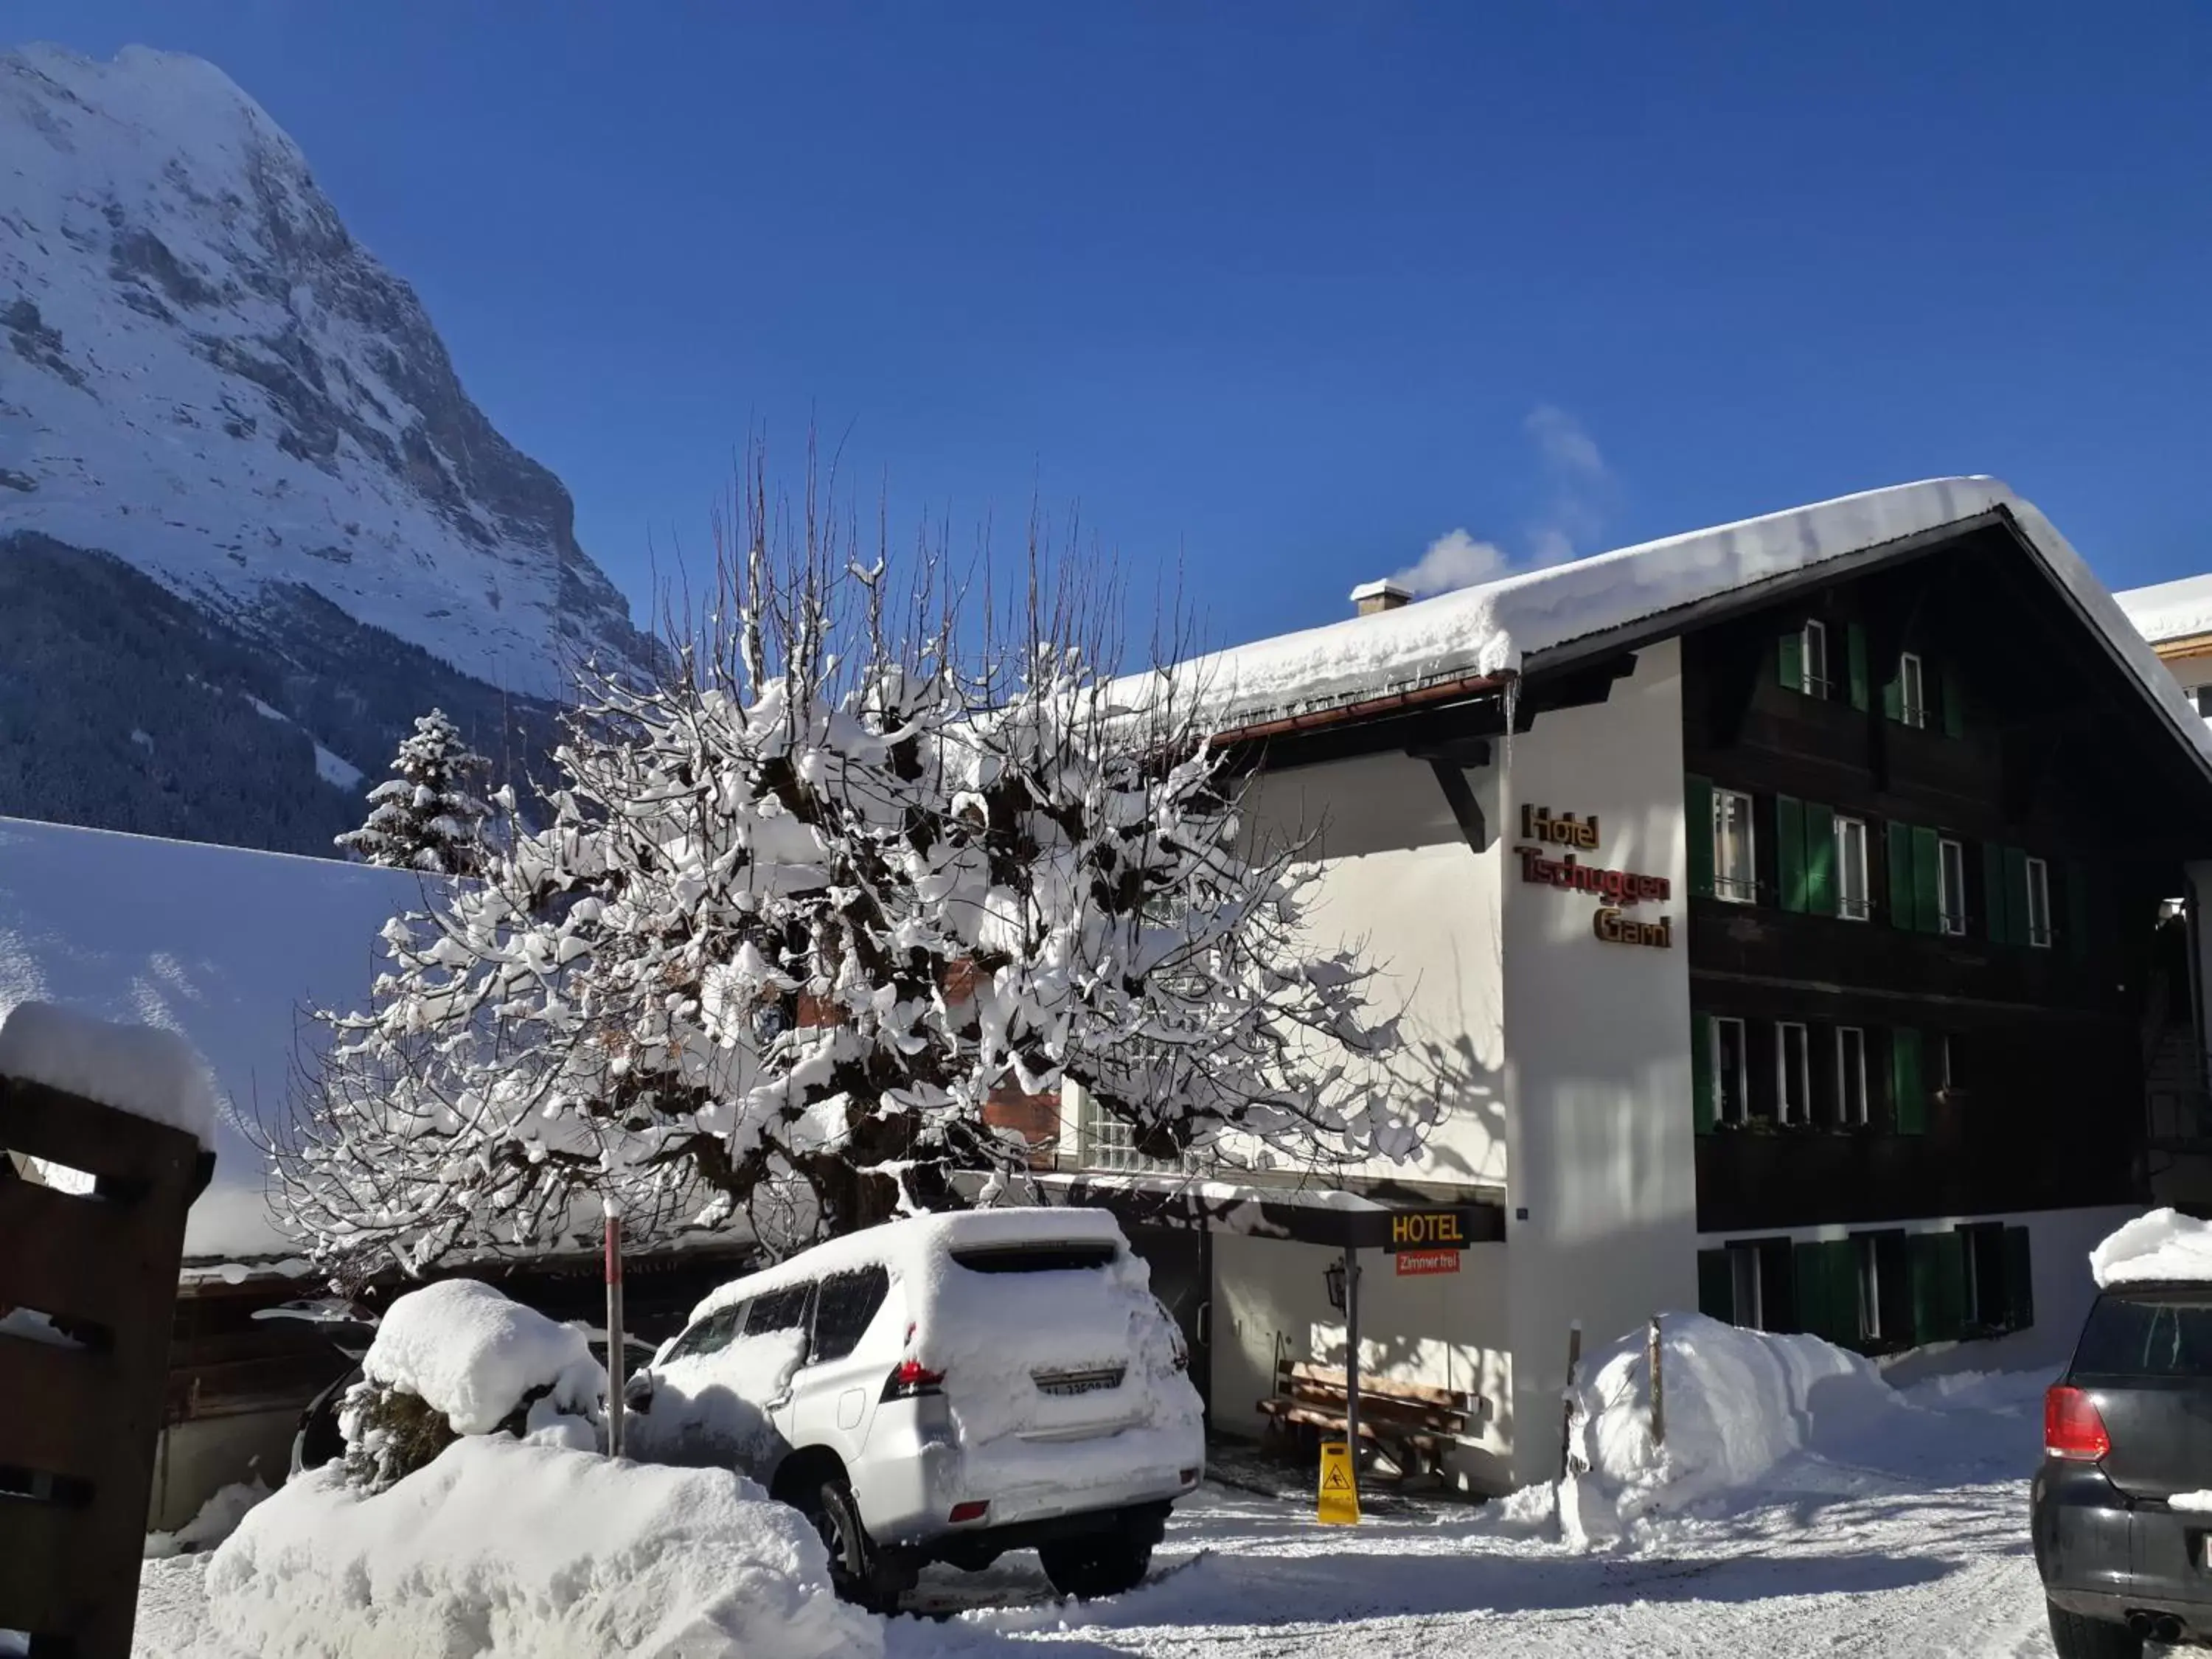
(1620, 889)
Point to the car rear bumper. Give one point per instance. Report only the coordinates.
(2108, 1556)
(911, 1478)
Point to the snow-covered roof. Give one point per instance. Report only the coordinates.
(1505, 626)
(219, 944)
(2170, 610)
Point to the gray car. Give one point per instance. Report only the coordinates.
(2122, 1507)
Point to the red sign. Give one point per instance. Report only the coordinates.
(1413, 1262)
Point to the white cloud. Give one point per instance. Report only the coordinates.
(1454, 559)
(1581, 489)
(1568, 451)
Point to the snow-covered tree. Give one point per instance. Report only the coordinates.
(430, 815)
(801, 909)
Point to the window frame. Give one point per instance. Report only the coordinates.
(1727, 887)
(1811, 646)
(1782, 1107)
(1868, 1248)
(2037, 876)
(1951, 887)
(1738, 1256)
(1912, 690)
(1844, 1078)
(1713, 1023)
(1847, 908)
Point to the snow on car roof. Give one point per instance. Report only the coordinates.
(2162, 1247)
(904, 1246)
(2170, 610)
(1499, 627)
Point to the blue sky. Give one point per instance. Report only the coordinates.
(1286, 293)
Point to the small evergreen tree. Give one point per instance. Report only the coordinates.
(428, 815)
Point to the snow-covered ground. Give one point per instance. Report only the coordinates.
(1903, 1535)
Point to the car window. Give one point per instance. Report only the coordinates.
(842, 1311)
(1037, 1257)
(779, 1310)
(710, 1335)
(2147, 1335)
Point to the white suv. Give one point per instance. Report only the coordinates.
(944, 1388)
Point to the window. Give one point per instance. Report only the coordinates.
(1735, 873)
(1851, 884)
(1813, 659)
(1869, 1254)
(1951, 1061)
(845, 1309)
(1951, 887)
(1984, 1247)
(1912, 696)
(1110, 1142)
(2144, 1332)
(2038, 903)
(1850, 1075)
(1793, 1090)
(779, 1310)
(1731, 1071)
(2202, 697)
(710, 1335)
(1744, 1285)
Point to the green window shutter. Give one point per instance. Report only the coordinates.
(1901, 903)
(1927, 881)
(1716, 1286)
(1791, 657)
(2015, 886)
(1939, 1286)
(1697, 825)
(1820, 860)
(1790, 849)
(1954, 703)
(1827, 1291)
(2019, 1281)
(1854, 643)
(1893, 694)
(1703, 1104)
(1907, 1093)
(1998, 908)
(2077, 910)
(1843, 1293)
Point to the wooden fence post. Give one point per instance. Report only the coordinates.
(1656, 1350)
(1567, 1399)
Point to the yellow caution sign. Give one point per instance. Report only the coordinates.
(1340, 1488)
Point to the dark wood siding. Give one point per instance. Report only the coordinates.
(2034, 746)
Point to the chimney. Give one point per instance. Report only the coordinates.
(1372, 598)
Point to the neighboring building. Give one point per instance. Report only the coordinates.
(2176, 617)
(231, 948)
(1778, 915)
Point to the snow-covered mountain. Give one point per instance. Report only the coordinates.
(202, 373)
(251, 525)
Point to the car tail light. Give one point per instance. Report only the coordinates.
(2072, 1429)
(1189, 1477)
(912, 1380)
(974, 1509)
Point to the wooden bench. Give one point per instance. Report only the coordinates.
(1412, 1423)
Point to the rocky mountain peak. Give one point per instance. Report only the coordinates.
(205, 375)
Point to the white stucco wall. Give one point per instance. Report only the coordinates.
(1599, 1153)
(1397, 873)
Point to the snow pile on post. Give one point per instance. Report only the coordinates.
(465, 1350)
(2162, 1246)
(499, 1549)
(140, 1069)
(1738, 1402)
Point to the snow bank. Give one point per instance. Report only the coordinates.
(470, 1352)
(140, 1069)
(500, 1548)
(217, 1519)
(1737, 1403)
(221, 945)
(2164, 1245)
